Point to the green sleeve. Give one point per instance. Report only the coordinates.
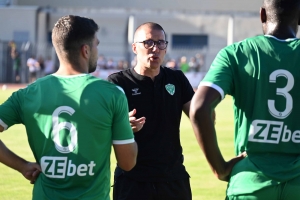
(220, 75)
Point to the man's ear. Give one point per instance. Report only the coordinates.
(85, 50)
(263, 15)
(133, 46)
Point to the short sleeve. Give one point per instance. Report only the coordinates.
(220, 75)
(121, 129)
(10, 110)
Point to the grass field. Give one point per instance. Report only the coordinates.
(204, 185)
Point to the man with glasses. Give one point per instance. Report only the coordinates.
(157, 95)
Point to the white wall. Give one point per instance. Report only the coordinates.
(17, 18)
(114, 22)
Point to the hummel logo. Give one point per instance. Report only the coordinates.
(135, 91)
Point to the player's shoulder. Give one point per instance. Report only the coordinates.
(250, 41)
(107, 86)
(36, 84)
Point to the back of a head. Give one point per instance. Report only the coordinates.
(151, 25)
(282, 11)
(70, 33)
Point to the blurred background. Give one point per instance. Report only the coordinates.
(196, 31)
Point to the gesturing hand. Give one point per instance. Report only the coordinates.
(136, 124)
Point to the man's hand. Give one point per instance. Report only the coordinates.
(31, 171)
(228, 167)
(136, 124)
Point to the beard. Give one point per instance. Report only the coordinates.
(92, 66)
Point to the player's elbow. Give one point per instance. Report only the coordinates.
(127, 166)
(197, 111)
(129, 162)
(126, 156)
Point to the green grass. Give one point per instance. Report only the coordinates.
(205, 186)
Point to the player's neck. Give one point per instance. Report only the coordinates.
(68, 69)
(281, 31)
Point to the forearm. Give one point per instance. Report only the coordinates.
(10, 159)
(202, 116)
(203, 125)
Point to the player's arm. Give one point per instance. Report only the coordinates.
(186, 108)
(29, 170)
(201, 114)
(126, 155)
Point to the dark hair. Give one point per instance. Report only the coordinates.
(70, 33)
(152, 25)
(283, 11)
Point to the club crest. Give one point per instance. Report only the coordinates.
(170, 88)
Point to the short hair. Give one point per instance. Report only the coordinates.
(151, 25)
(283, 11)
(70, 33)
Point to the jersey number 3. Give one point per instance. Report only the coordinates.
(282, 92)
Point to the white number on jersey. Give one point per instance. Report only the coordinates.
(63, 125)
(283, 92)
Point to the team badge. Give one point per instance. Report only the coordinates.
(170, 88)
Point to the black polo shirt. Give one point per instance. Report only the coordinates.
(160, 101)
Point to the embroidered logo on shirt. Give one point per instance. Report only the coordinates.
(170, 88)
(135, 91)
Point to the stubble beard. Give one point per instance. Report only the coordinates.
(92, 66)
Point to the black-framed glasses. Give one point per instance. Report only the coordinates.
(161, 44)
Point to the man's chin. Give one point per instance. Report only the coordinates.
(154, 65)
(91, 70)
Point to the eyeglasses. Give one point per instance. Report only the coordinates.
(161, 44)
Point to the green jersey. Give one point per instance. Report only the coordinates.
(263, 76)
(71, 123)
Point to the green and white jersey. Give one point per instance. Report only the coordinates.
(71, 123)
(263, 76)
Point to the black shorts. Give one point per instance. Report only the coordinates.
(128, 189)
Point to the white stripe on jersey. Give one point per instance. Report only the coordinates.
(212, 85)
(123, 141)
(3, 124)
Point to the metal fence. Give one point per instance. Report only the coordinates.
(10, 67)
(8, 70)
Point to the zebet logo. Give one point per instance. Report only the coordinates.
(60, 167)
(275, 131)
(272, 132)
